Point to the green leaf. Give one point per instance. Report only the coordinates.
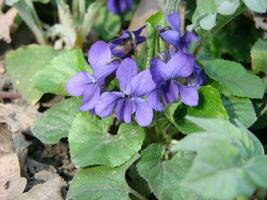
(210, 106)
(107, 25)
(240, 109)
(259, 56)
(256, 169)
(56, 122)
(206, 13)
(53, 77)
(23, 64)
(259, 6)
(165, 176)
(222, 171)
(100, 183)
(234, 78)
(92, 144)
(157, 19)
(12, 2)
(227, 7)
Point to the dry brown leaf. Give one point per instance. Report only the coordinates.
(145, 9)
(11, 184)
(6, 145)
(50, 190)
(18, 117)
(6, 22)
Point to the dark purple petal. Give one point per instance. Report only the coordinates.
(99, 54)
(124, 109)
(159, 70)
(169, 93)
(189, 95)
(122, 39)
(129, 4)
(113, 7)
(103, 71)
(119, 6)
(198, 77)
(141, 84)
(171, 37)
(107, 103)
(174, 21)
(77, 84)
(154, 100)
(143, 113)
(126, 71)
(181, 64)
(187, 39)
(90, 97)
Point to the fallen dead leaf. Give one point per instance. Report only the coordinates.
(145, 9)
(49, 190)
(18, 117)
(11, 184)
(6, 22)
(6, 145)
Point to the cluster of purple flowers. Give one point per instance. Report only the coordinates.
(173, 75)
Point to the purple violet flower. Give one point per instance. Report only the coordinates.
(119, 6)
(168, 77)
(89, 86)
(125, 45)
(129, 100)
(173, 35)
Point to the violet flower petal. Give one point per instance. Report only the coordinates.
(181, 64)
(159, 70)
(99, 55)
(107, 103)
(154, 100)
(91, 96)
(129, 109)
(171, 37)
(189, 95)
(103, 71)
(126, 71)
(141, 84)
(144, 113)
(174, 21)
(77, 84)
(170, 93)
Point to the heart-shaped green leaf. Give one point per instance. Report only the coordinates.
(92, 144)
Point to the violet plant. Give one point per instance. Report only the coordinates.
(160, 112)
(165, 82)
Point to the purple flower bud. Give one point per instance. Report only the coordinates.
(119, 6)
(125, 45)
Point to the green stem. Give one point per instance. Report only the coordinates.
(82, 9)
(75, 8)
(27, 12)
(169, 6)
(136, 194)
(221, 24)
(88, 21)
